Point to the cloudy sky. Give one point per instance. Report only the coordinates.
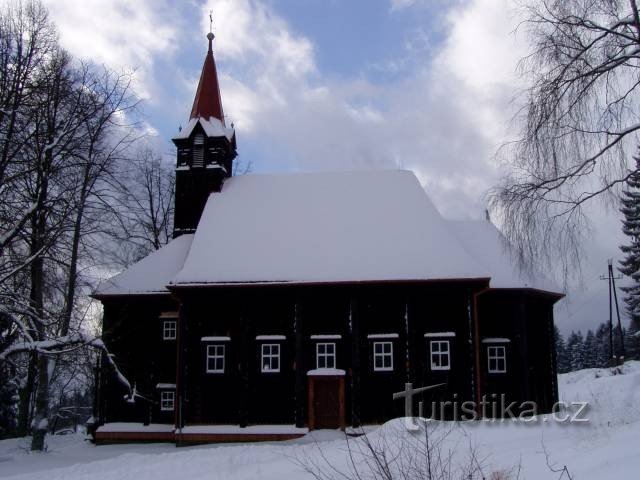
(425, 85)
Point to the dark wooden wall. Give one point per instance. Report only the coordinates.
(245, 395)
(132, 332)
(526, 318)
(352, 311)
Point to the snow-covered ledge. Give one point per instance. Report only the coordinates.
(121, 427)
(320, 372)
(496, 340)
(439, 334)
(236, 429)
(381, 336)
(271, 337)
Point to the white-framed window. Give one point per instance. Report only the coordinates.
(325, 355)
(383, 356)
(497, 359)
(169, 329)
(270, 358)
(167, 400)
(215, 358)
(440, 354)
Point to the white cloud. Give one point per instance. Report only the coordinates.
(436, 121)
(249, 32)
(119, 33)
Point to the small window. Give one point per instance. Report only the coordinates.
(497, 358)
(167, 401)
(169, 330)
(270, 358)
(382, 356)
(215, 358)
(440, 355)
(325, 355)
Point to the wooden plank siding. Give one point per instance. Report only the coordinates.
(244, 395)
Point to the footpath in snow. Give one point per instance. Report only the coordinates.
(604, 447)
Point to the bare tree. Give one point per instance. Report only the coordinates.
(61, 134)
(141, 203)
(432, 451)
(578, 126)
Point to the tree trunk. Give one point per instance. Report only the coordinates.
(41, 420)
(26, 392)
(38, 233)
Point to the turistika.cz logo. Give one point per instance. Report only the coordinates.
(492, 408)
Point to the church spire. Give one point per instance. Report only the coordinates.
(205, 151)
(207, 102)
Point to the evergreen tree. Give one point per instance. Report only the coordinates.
(590, 350)
(602, 345)
(632, 343)
(562, 355)
(575, 346)
(630, 266)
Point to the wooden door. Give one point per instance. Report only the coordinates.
(326, 402)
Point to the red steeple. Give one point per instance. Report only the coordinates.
(207, 102)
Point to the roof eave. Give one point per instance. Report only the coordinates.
(106, 296)
(199, 285)
(538, 291)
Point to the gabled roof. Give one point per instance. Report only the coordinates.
(324, 227)
(487, 245)
(151, 274)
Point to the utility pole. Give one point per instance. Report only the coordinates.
(611, 278)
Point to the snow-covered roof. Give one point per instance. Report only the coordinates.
(152, 273)
(485, 243)
(212, 126)
(324, 227)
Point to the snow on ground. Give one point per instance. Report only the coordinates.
(605, 447)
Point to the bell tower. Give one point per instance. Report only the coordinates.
(206, 148)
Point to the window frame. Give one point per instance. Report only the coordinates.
(497, 358)
(383, 354)
(216, 355)
(325, 355)
(271, 356)
(163, 400)
(166, 332)
(439, 354)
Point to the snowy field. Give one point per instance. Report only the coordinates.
(605, 447)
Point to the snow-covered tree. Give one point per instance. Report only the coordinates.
(630, 265)
(602, 345)
(61, 133)
(562, 355)
(590, 351)
(632, 342)
(575, 346)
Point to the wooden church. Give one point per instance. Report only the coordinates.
(293, 302)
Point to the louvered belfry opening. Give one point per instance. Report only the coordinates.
(198, 151)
